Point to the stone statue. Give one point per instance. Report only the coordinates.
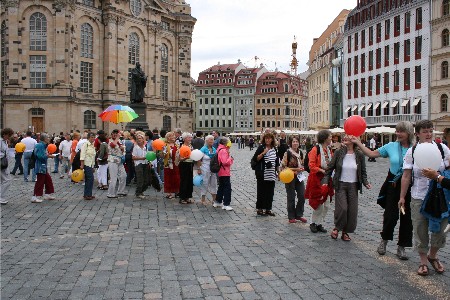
(138, 84)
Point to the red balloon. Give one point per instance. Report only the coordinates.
(51, 148)
(355, 125)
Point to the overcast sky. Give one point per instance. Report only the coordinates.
(228, 30)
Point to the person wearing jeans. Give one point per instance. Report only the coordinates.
(30, 144)
(225, 161)
(87, 160)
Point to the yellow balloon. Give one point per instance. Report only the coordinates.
(20, 147)
(287, 175)
(229, 144)
(78, 175)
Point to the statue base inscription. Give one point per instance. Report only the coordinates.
(141, 122)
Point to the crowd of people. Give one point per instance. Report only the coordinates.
(336, 165)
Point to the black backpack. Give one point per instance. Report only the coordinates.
(306, 161)
(214, 164)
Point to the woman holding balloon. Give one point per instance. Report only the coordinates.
(209, 179)
(349, 167)
(422, 156)
(293, 159)
(390, 191)
(186, 165)
(171, 172)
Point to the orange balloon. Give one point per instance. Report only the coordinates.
(51, 148)
(158, 145)
(185, 151)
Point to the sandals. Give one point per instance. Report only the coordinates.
(259, 212)
(345, 237)
(104, 188)
(436, 264)
(183, 201)
(423, 270)
(169, 196)
(334, 234)
(270, 213)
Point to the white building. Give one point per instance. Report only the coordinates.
(386, 61)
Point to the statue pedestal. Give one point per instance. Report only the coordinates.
(141, 122)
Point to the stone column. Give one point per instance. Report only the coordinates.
(110, 57)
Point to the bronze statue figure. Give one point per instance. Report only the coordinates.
(138, 84)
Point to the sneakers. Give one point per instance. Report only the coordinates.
(217, 204)
(301, 219)
(313, 227)
(227, 207)
(48, 197)
(61, 176)
(36, 199)
(3, 201)
(122, 195)
(321, 229)
(401, 253)
(382, 247)
(111, 197)
(141, 196)
(292, 221)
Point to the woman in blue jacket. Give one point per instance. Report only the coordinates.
(43, 178)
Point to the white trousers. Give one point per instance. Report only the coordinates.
(5, 183)
(116, 172)
(209, 183)
(102, 174)
(318, 215)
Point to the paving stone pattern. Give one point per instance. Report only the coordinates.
(156, 248)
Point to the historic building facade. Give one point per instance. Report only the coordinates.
(386, 61)
(440, 60)
(279, 98)
(65, 61)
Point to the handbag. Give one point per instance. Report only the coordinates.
(4, 162)
(434, 204)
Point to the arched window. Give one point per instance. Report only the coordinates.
(164, 58)
(445, 40)
(286, 88)
(444, 103)
(3, 38)
(167, 123)
(87, 40)
(444, 69)
(445, 8)
(89, 119)
(38, 32)
(133, 49)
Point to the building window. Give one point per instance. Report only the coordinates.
(164, 58)
(90, 119)
(349, 66)
(86, 77)
(386, 56)
(418, 76)
(378, 32)
(370, 60)
(356, 41)
(387, 29)
(396, 80)
(133, 49)
(167, 123)
(3, 34)
(363, 63)
(355, 65)
(349, 44)
(363, 38)
(377, 84)
(407, 22)
(396, 26)
(136, 7)
(419, 18)
(378, 58)
(444, 69)
(363, 87)
(37, 112)
(370, 88)
(444, 103)
(418, 46)
(406, 79)
(87, 40)
(386, 82)
(88, 2)
(445, 8)
(38, 71)
(4, 74)
(349, 90)
(355, 88)
(396, 53)
(370, 35)
(445, 38)
(164, 88)
(407, 50)
(38, 32)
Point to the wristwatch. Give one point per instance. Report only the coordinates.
(437, 178)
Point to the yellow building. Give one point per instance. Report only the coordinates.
(65, 61)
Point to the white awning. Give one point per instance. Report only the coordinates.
(405, 102)
(347, 109)
(416, 101)
(354, 107)
(376, 105)
(361, 107)
(368, 106)
(385, 104)
(394, 103)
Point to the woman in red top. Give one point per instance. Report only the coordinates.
(319, 158)
(171, 171)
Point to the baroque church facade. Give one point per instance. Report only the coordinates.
(64, 61)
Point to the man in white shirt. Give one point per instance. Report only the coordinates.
(372, 146)
(81, 142)
(30, 144)
(64, 152)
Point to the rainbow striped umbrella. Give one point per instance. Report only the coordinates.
(118, 114)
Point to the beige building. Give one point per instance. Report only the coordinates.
(440, 59)
(65, 61)
(320, 57)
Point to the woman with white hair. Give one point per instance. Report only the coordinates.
(209, 179)
(390, 191)
(43, 178)
(186, 167)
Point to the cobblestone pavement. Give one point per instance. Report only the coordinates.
(159, 249)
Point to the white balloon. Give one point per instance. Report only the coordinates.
(427, 155)
(196, 155)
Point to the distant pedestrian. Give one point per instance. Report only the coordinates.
(102, 162)
(5, 177)
(242, 145)
(87, 163)
(17, 156)
(251, 143)
(64, 154)
(373, 147)
(198, 141)
(43, 177)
